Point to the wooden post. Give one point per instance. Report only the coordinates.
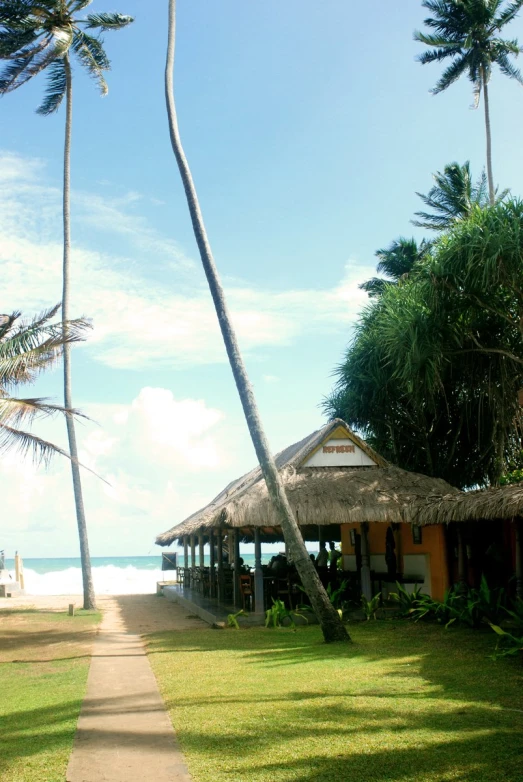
(220, 567)
(186, 572)
(462, 561)
(201, 552)
(212, 569)
(71, 609)
(193, 560)
(519, 559)
(366, 585)
(259, 602)
(399, 548)
(17, 567)
(237, 598)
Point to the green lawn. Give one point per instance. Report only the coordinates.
(44, 661)
(404, 702)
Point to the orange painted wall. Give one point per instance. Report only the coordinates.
(432, 543)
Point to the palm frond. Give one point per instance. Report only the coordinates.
(17, 412)
(108, 21)
(7, 322)
(506, 16)
(25, 442)
(374, 287)
(79, 5)
(450, 75)
(508, 68)
(13, 41)
(92, 57)
(56, 88)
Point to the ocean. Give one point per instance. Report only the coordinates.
(111, 575)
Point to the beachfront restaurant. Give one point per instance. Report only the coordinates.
(342, 493)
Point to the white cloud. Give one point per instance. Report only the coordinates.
(153, 452)
(138, 321)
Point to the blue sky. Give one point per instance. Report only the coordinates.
(309, 128)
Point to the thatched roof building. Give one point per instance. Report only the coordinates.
(505, 502)
(331, 477)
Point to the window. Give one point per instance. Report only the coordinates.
(416, 533)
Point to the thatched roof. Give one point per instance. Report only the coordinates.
(318, 495)
(505, 502)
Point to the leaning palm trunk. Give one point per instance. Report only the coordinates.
(332, 627)
(491, 189)
(88, 589)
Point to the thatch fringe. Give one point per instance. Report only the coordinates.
(319, 496)
(505, 502)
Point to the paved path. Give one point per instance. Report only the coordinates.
(124, 731)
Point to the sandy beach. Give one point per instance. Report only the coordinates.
(140, 613)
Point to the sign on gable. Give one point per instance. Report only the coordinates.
(339, 453)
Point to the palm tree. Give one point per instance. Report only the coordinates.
(43, 35)
(397, 261)
(468, 33)
(333, 629)
(453, 197)
(26, 349)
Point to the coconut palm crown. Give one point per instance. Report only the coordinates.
(39, 35)
(26, 349)
(468, 33)
(396, 261)
(453, 197)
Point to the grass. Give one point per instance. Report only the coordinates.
(405, 702)
(44, 661)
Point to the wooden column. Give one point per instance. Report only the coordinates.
(366, 585)
(399, 548)
(519, 559)
(237, 598)
(212, 569)
(220, 589)
(201, 553)
(462, 560)
(192, 541)
(259, 604)
(185, 551)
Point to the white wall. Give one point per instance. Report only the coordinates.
(339, 456)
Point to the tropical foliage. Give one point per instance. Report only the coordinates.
(41, 35)
(28, 348)
(467, 32)
(396, 261)
(432, 375)
(469, 606)
(453, 197)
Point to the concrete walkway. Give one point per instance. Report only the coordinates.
(124, 731)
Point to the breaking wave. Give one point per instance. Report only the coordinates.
(108, 580)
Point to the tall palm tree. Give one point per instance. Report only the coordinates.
(452, 197)
(397, 261)
(333, 629)
(467, 32)
(43, 35)
(26, 349)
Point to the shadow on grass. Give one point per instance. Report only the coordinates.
(29, 732)
(423, 704)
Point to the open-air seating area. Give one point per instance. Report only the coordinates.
(285, 586)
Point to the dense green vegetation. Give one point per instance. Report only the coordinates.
(432, 375)
(405, 701)
(44, 661)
